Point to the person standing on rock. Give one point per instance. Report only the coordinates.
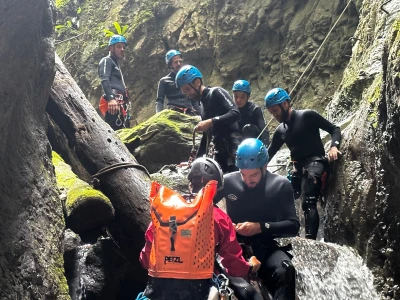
(114, 104)
(166, 88)
(220, 118)
(261, 206)
(173, 286)
(252, 120)
(299, 130)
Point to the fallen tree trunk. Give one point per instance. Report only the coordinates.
(97, 147)
(85, 207)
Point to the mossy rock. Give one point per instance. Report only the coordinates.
(165, 139)
(85, 207)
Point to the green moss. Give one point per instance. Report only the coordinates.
(58, 272)
(77, 189)
(142, 17)
(374, 94)
(182, 124)
(61, 3)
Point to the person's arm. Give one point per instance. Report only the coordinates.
(228, 247)
(224, 99)
(203, 146)
(160, 96)
(324, 124)
(276, 143)
(261, 125)
(145, 253)
(289, 225)
(105, 67)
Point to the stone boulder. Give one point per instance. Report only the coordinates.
(165, 139)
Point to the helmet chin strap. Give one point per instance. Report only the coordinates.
(285, 115)
(197, 90)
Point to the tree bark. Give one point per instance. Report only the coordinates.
(97, 146)
(31, 218)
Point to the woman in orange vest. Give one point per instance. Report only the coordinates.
(175, 287)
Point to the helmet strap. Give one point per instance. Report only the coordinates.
(285, 113)
(193, 87)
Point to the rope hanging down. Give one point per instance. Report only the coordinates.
(313, 58)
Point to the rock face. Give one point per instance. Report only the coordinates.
(31, 218)
(269, 43)
(363, 206)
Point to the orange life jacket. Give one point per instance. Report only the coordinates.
(183, 245)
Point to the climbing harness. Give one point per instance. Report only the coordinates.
(222, 284)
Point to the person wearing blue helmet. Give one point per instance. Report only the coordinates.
(252, 120)
(166, 88)
(220, 116)
(114, 103)
(261, 205)
(300, 131)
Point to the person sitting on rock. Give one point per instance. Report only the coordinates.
(261, 205)
(299, 130)
(166, 88)
(251, 121)
(179, 286)
(220, 116)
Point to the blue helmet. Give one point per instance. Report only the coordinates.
(186, 75)
(242, 85)
(170, 54)
(276, 96)
(117, 39)
(251, 154)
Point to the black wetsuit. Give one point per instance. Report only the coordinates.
(252, 114)
(219, 106)
(113, 84)
(176, 99)
(272, 202)
(301, 135)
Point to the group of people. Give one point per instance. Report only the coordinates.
(260, 204)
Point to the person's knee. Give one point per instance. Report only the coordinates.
(311, 189)
(285, 273)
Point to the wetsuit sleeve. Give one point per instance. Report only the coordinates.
(145, 253)
(105, 67)
(327, 126)
(261, 125)
(228, 247)
(289, 224)
(232, 115)
(275, 145)
(160, 96)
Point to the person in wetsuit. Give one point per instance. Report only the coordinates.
(251, 121)
(114, 102)
(299, 130)
(261, 205)
(220, 116)
(166, 88)
(226, 245)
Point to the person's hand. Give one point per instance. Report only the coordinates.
(203, 125)
(256, 264)
(248, 228)
(333, 153)
(113, 107)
